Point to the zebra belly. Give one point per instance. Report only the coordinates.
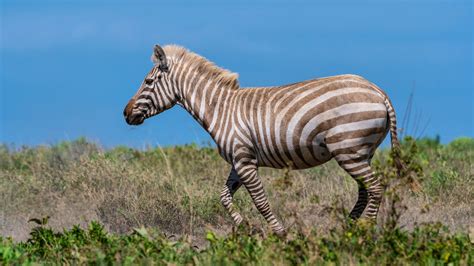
(313, 154)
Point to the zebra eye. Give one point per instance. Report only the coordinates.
(148, 81)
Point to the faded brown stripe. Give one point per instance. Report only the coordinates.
(357, 168)
(354, 134)
(351, 150)
(351, 161)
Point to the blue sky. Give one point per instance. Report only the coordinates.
(69, 67)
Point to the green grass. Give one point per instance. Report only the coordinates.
(173, 192)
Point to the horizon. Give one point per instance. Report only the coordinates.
(13, 147)
(69, 68)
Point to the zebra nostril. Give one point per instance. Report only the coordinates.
(135, 118)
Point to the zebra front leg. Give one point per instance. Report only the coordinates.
(232, 185)
(248, 175)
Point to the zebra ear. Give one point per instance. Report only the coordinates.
(159, 58)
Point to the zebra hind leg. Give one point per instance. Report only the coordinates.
(370, 189)
(361, 203)
(232, 185)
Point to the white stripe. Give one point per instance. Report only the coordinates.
(354, 142)
(359, 125)
(351, 156)
(353, 165)
(204, 100)
(218, 104)
(359, 171)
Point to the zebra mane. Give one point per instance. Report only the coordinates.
(202, 65)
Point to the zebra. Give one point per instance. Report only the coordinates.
(297, 126)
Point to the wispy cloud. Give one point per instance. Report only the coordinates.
(24, 30)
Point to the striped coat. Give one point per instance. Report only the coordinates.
(295, 126)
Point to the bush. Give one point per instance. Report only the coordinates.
(429, 245)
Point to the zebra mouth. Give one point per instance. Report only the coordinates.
(135, 119)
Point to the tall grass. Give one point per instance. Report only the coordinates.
(175, 190)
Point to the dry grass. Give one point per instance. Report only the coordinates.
(176, 189)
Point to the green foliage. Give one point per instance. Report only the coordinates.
(463, 144)
(93, 245)
(364, 244)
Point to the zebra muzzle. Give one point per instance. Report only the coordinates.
(133, 117)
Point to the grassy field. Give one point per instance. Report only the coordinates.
(162, 205)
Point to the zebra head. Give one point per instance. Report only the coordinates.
(155, 94)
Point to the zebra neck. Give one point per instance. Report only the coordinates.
(207, 102)
(204, 90)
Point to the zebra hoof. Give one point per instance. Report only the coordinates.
(281, 233)
(354, 216)
(242, 228)
(365, 222)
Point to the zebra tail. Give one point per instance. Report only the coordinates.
(396, 149)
